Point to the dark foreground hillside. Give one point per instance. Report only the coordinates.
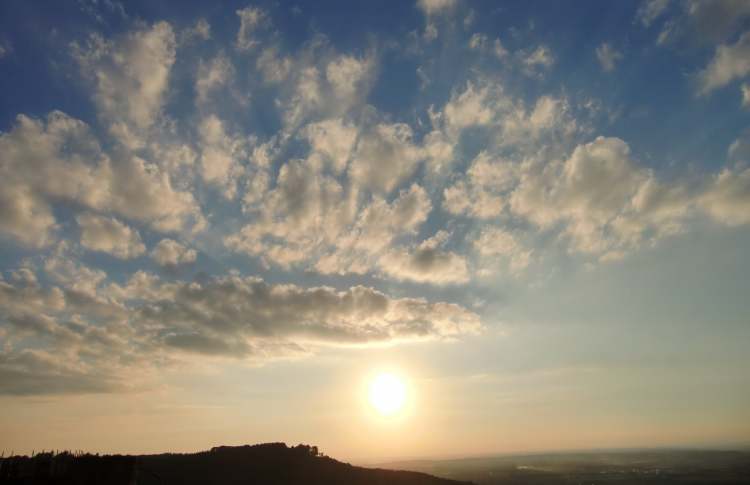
(266, 464)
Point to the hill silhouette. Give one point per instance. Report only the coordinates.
(267, 464)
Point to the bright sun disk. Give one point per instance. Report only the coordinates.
(387, 394)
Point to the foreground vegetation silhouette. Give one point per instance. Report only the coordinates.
(268, 464)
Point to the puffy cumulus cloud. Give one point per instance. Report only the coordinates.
(233, 310)
(58, 159)
(220, 155)
(426, 263)
(201, 30)
(432, 9)
(592, 191)
(130, 76)
(332, 141)
(730, 62)
(477, 105)
(385, 156)
(474, 106)
(310, 218)
(608, 57)
(251, 19)
(148, 325)
(49, 345)
(511, 126)
(305, 210)
(727, 198)
(319, 83)
(536, 61)
(169, 252)
(480, 42)
(25, 217)
(483, 191)
(274, 66)
(108, 235)
(212, 75)
(494, 244)
(601, 200)
(608, 205)
(650, 10)
(543, 130)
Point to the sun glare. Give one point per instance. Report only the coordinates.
(387, 394)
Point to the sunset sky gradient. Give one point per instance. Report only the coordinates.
(219, 223)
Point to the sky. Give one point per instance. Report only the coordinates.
(220, 221)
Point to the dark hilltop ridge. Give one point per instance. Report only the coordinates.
(267, 464)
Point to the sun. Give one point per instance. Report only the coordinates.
(387, 394)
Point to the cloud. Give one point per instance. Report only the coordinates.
(650, 10)
(385, 156)
(220, 154)
(426, 263)
(727, 198)
(608, 57)
(130, 76)
(171, 253)
(730, 62)
(201, 30)
(535, 61)
(251, 18)
(150, 323)
(58, 159)
(495, 243)
(703, 21)
(333, 141)
(745, 91)
(110, 236)
(212, 75)
(321, 84)
(435, 7)
(481, 43)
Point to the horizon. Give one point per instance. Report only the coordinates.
(392, 230)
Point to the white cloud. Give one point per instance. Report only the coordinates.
(727, 198)
(650, 10)
(131, 76)
(108, 235)
(608, 57)
(251, 18)
(481, 43)
(212, 75)
(112, 339)
(201, 30)
(497, 243)
(385, 157)
(426, 263)
(332, 140)
(220, 154)
(275, 68)
(318, 83)
(171, 253)
(745, 90)
(482, 193)
(730, 62)
(58, 159)
(536, 60)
